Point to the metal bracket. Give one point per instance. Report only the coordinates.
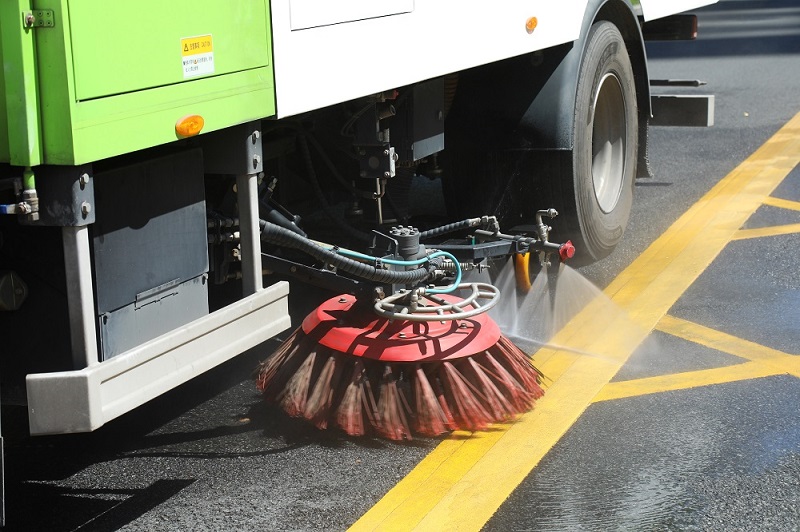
(688, 110)
(66, 195)
(40, 18)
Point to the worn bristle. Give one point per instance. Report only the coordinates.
(441, 398)
(368, 400)
(294, 396)
(350, 413)
(275, 386)
(361, 396)
(497, 405)
(465, 406)
(392, 421)
(268, 368)
(520, 398)
(430, 418)
(318, 406)
(518, 364)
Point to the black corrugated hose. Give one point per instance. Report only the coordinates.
(275, 234)
(457, 226)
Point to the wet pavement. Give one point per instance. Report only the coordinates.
(718, 456)
(699, 428)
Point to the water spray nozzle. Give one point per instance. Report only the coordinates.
(566, 251)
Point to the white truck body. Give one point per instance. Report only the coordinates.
(379, 45)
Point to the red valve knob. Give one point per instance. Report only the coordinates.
(566, 251)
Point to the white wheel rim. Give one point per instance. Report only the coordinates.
(608, 142)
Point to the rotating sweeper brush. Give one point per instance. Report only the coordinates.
(425, 359)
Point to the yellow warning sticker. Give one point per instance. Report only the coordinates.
(197, 56)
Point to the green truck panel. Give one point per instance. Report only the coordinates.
(115, 77)
(4, 155)
(157, 37)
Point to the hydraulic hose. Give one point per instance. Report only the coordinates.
(275, 234)
(277, 218)
(453, 264)
(457, 226)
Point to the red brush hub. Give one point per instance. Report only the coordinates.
(341, 325)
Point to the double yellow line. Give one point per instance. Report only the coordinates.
(464, 480)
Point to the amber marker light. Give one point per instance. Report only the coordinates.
(531, 24)
(189, 125)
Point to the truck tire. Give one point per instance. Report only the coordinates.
(597, 202)
(502, 159)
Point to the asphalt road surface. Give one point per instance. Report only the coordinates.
(680, 413)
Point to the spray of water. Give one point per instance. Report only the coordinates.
(556, 295)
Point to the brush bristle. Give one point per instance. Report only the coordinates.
(318, 406)
(392, 421)
(294, 396)
(270, 367)
(350, 413)
(361, 395)
(468, 410)
(499, 407)
(430, 419)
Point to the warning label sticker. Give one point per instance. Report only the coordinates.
(197, 55)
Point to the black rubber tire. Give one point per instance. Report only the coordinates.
(596, 205)
(494, 168)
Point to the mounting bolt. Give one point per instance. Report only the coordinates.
(29, 19)
(83, 180)
(401, 335)
(256, 161)
(256, 135)
(86, 208)
(342, 300)
(387, 174)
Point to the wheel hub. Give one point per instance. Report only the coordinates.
(608, 142)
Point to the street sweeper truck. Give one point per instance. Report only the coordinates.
(168, 168)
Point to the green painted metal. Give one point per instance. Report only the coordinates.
(4, 155)
(21, 141)
(112, 78)
(28, 179)
(109, 61)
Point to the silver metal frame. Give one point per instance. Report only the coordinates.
(96, 392)
(409, 307)
(247, 193)
(80, 296)
(85, 399)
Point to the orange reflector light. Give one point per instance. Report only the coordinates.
(530, 25)
(189, 125)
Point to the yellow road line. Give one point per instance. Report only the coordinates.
(463, 481)
(684, 381)
(782, 203)
(699, 334)
(759, 232)
(763, 362)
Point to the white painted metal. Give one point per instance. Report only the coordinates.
(247, 195)
(310, 13)
(652, 9)
(329, 52)
(83, 400)
(80, 296)
(320, 66)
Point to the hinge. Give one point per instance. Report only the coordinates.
(39, 18)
